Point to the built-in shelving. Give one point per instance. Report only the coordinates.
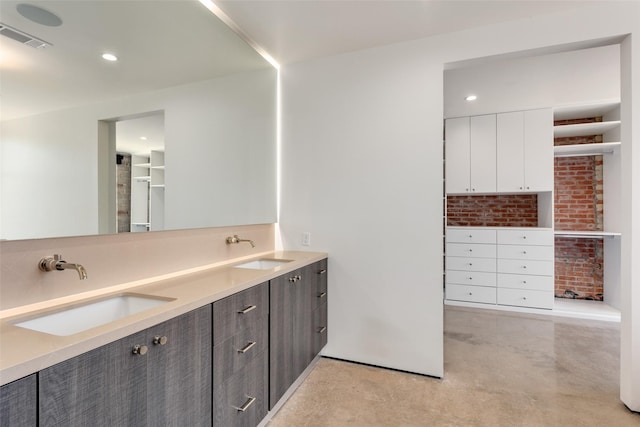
(585, 149)
(585, 129)
(586, 234)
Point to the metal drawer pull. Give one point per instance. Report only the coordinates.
(323, 271)
(322, 329)
(322, 295)
(139, 350)
(246, 405)
(293, 279)
(248, 309)
(162, 340)
(247, 347)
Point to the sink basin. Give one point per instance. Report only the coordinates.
(82, 317)
(263, 264)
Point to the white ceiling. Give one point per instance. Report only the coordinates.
(296, 30)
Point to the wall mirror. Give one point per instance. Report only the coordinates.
(63, 107)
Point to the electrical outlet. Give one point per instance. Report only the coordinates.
(306, 238)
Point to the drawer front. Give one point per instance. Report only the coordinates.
(320, 329)
(246, 389)
(471, 293)
(473, 278)
(471, 264)
(521, 281)
(534, 236)
(319, 274)
(233, 354)
(516, 266)
(541, 253)
(471, 250)
(239, 311)
(525, 298)
(472, 235)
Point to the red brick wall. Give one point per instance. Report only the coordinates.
(578, 206)
(503, 210)
(579, 268)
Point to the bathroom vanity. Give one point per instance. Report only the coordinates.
(225, 348)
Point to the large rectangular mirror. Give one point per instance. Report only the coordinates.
(65, 110)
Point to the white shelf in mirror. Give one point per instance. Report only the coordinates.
(585, 149)
(142, 165)
(579, 111)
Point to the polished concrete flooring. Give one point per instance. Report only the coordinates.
(501, 369)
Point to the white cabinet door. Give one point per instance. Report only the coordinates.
(457, 152)
(510, 152)
(483, 153)
(538, 150)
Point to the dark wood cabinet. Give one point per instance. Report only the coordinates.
(18, 403)
(240, 358)
(298, 325)
(159, 376)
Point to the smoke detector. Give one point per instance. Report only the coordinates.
(22, 37)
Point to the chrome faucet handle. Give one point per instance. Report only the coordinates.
(55, 262)
(236, 239)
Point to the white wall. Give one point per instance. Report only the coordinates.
(220, 146)
(362, 136)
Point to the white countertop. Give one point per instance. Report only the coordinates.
(24, 351)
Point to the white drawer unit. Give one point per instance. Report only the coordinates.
(480, 294)
(541, 253)
(471, 250)
(471, 264)
(523, 236)
(471, 235)
(521, 281)
(525, 298)
(516, 266)
(473, 278)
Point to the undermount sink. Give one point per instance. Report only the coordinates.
(263, 264)
(90, 315)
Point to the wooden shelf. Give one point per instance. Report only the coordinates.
(586, 234)
(584, 129)
(585, 149)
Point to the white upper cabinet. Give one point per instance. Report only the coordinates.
(471, 154)
(525, 151)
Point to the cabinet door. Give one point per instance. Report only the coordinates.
(179, 371)
(510, 152)
(281, 344)
(483, 153)
(320, 331)
(18, 404)
(538, 150)
(104, 387)
(458, 156)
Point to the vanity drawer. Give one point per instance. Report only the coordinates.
(520, 236)
(525, 298)
(473, 278)
(516, 266)
(471, 293)
(239, 311)
(521, 281)
(242, 399)
(472, 235)
(471, 264)
(236, 352)
(542, 253)
(471, 250)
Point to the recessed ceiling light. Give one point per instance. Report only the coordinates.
(109, 57)
(471, 98)
(144, 138)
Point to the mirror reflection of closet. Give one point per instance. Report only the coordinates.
(140, 173)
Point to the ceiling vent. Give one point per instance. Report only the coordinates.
(22, 37)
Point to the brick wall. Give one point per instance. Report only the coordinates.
(578, 205)
(503, 210)
(579, 268)
(123, 193)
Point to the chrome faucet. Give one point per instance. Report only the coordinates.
(236, 239)
(56, 262)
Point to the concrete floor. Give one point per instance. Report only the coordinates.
(501, 369)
